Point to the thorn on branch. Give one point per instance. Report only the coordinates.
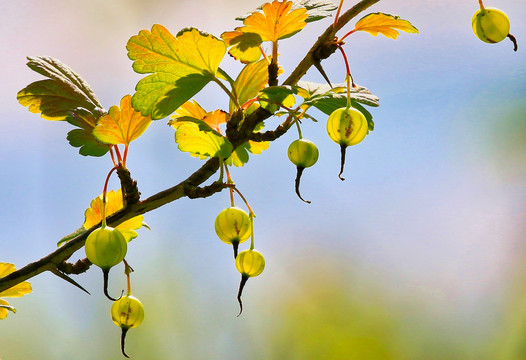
(69, 280)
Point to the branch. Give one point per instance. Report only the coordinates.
(54, 261)
(325, 46)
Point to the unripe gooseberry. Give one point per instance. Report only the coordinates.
(232, 226)
(492, 25)
(249, 263)
(127, 313)
(303, 153)
(106, 247)
(346, 126)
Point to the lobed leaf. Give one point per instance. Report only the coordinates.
(278, 21)
(65, 96)
(245, 47)
(316, 9)
(271, 98)
(385, 24)
(18, 290)
(179, 66)
(192, 139)
(121, 125)
(250, 81)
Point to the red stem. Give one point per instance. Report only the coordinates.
(346, 64)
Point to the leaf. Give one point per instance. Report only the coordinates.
(59, 95)
(316, 9)
(272, 97)
(327, 99)
(114, 203)
(252, 79)
(245, 46)
(4, 307)
(190, 138)
(65, 96)
(179, 66)
(385, 24)
(189, 109)
(121, 125)
(18, 290)
(276, 22)
(240, 155)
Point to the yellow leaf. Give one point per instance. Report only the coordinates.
(385, 24)
(245, 46)
(16, 291)
(190, 138)
(114, 202)
(276, 21)
(252, 79)
(121, 125)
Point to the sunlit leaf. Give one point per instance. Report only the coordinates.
(271, 98)
(65, 96)
(121, 125)
(252, 79)
(327, 99)
(57, 96)
(189, 109)
(316, 9)
(114, 202)
(190, 138)
(385, 24)
(240, 156)
(276, 22)
(18, 290)
(179, 66)
(245, 47)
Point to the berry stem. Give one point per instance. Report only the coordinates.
(298, 127)
(251, 216)
(127, 270)
(348, 77)
(229, 181)
(337, 14)
(481, 5)
(104, 191)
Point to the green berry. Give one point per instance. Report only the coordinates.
(303, 153)
(250, 263)
(232, 226)
(105, 247)
(490, 25)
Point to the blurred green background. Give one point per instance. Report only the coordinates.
(418, 255)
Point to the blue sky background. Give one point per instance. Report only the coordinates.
(427, 229)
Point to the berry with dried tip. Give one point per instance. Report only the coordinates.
(346, 126)
(492, 25)
(303, 153)
(127, 313)
(106, 247)
(249, 263)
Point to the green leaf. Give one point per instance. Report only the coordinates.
(270, 98)
(250, 81)
(65, 96)
(179, 66)
(71, 236)
(327, 99)
(316, 9)
(56, 97)
(190, 138)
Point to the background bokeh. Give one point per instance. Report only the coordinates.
(418, 255)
